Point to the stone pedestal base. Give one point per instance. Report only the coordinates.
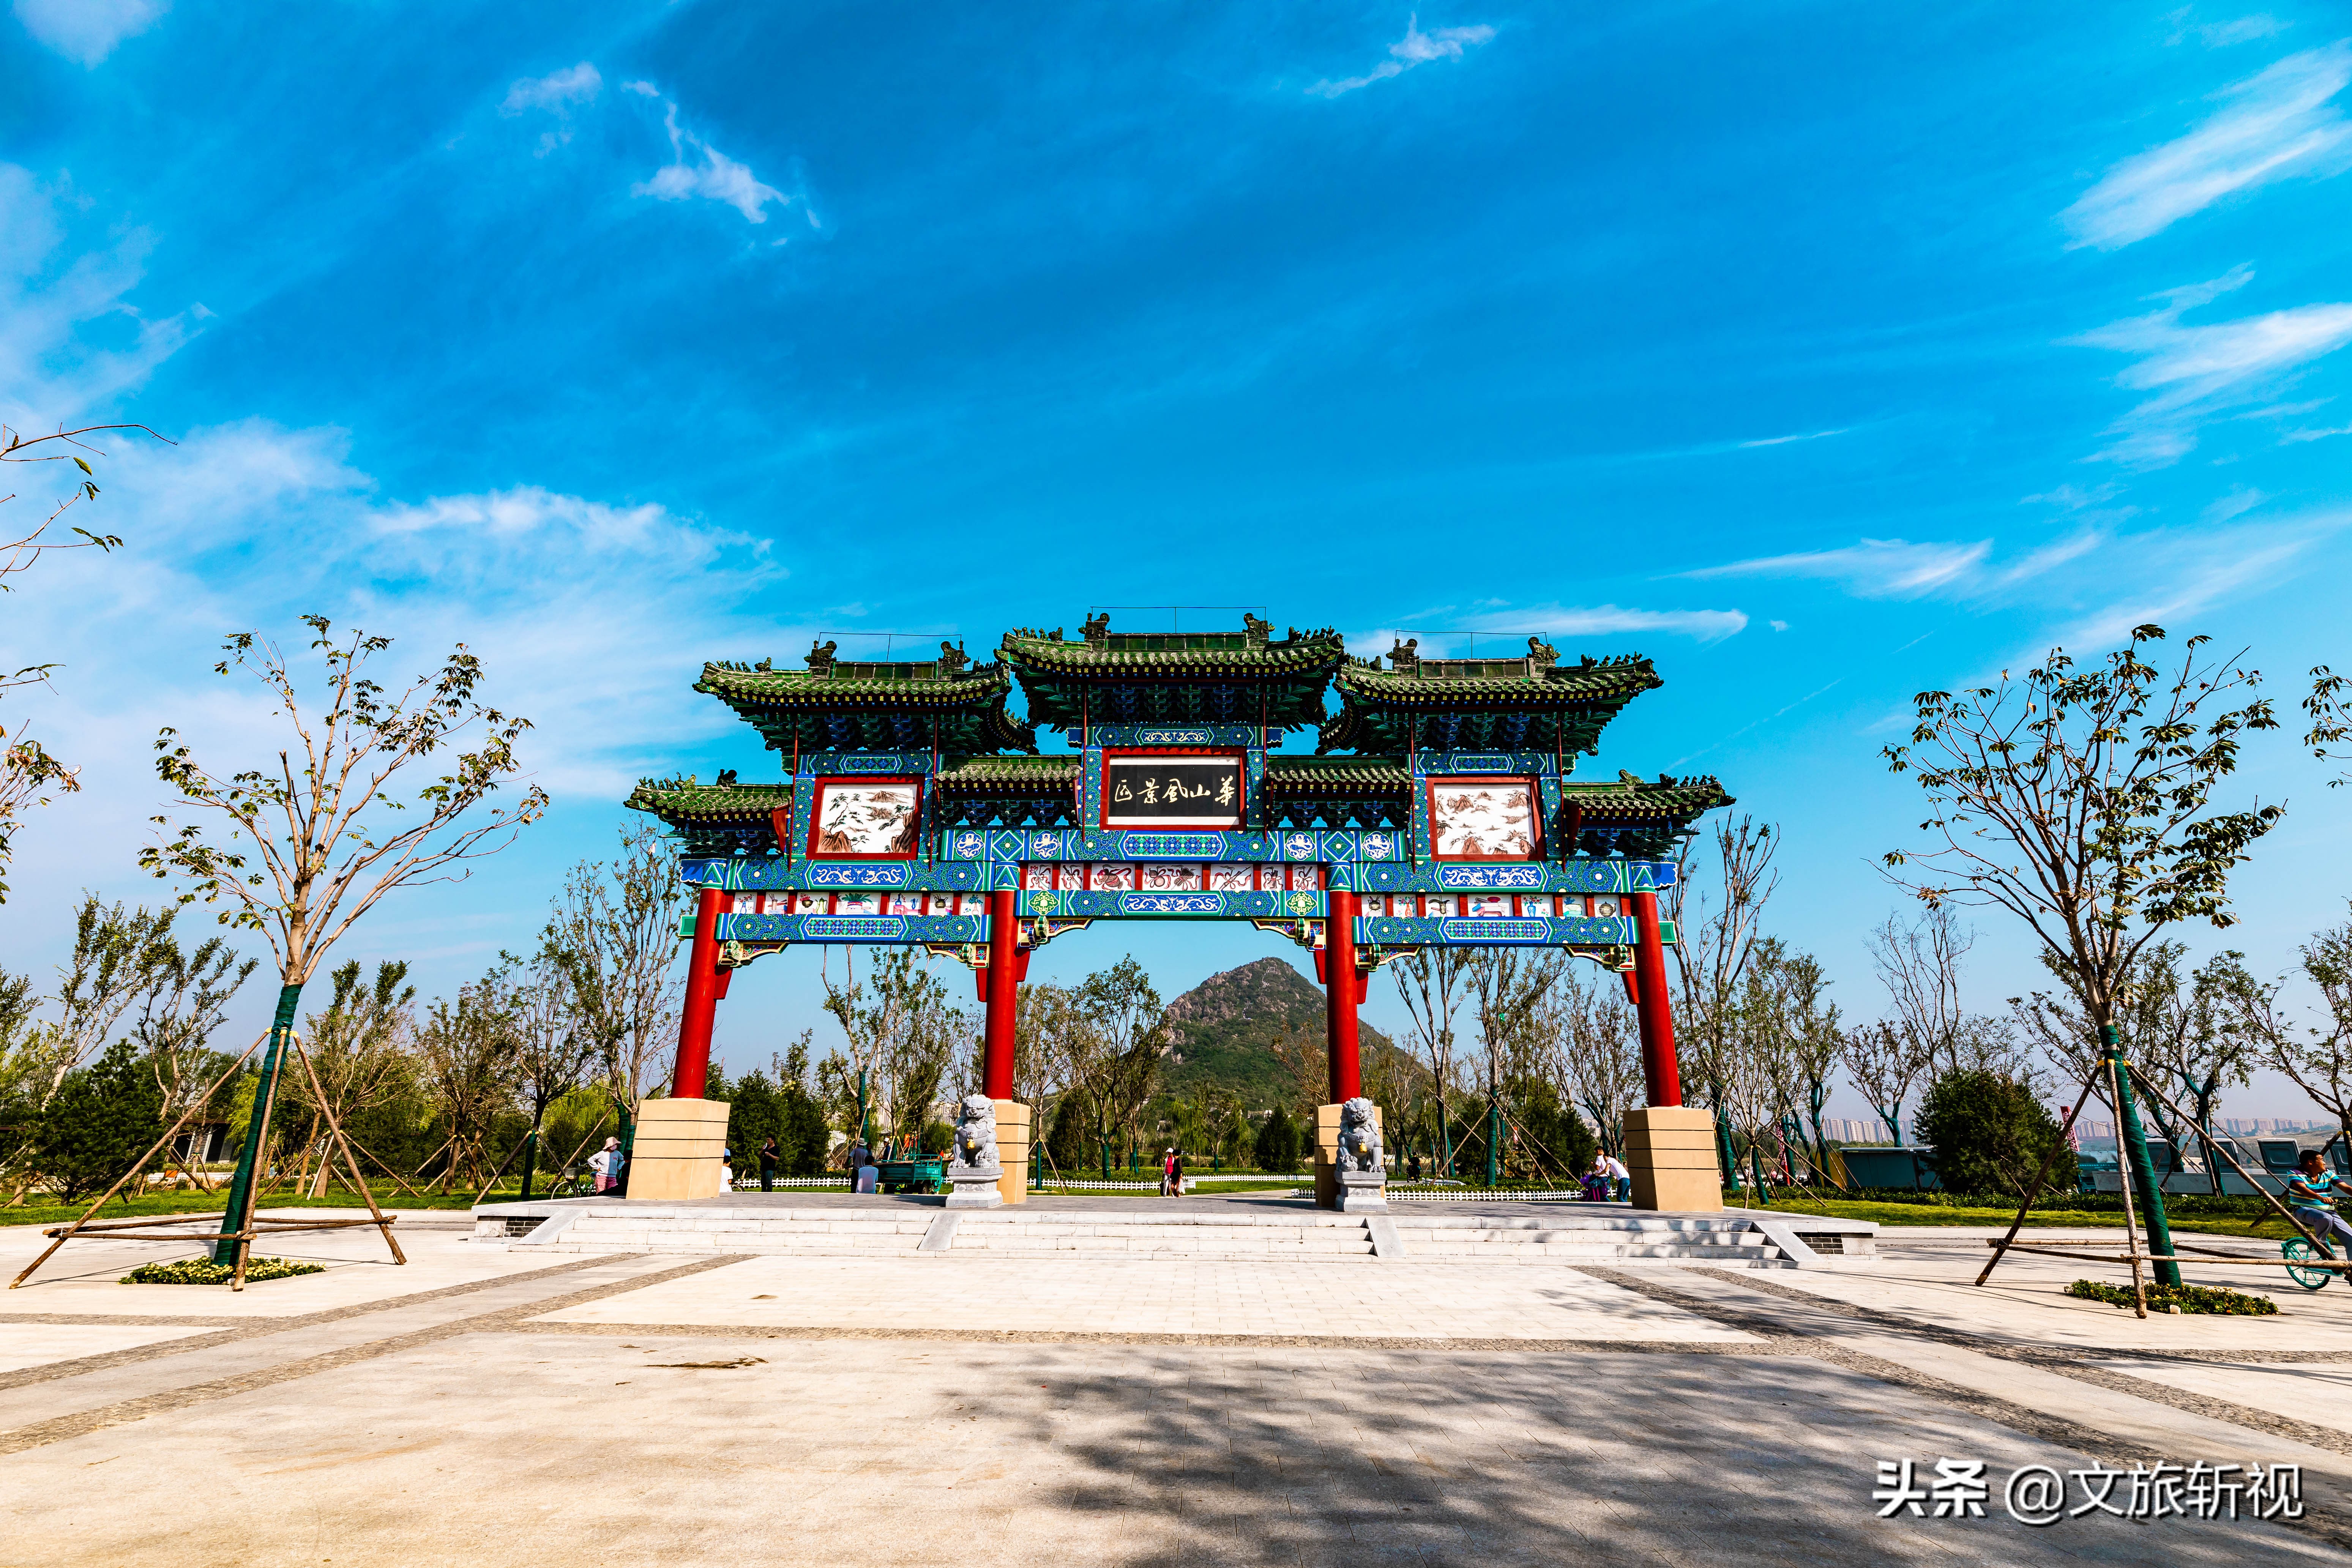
(1362, 1192)
(1012, 1151)
(1670, 1153)
(1327, 1193)
(676, 1153)
(975, 1189)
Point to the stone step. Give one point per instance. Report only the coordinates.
(1314, 1236)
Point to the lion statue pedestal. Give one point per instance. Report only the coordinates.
(974, 1168)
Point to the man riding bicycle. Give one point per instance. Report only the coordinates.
(2312, 1192)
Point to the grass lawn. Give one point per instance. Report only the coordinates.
(1926, 1215)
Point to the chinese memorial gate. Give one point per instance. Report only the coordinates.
(1437, 809)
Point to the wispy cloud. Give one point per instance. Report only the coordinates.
(555, 94)
(2183, 573)
(48, 370)
(1785, 440)
(1493, 618)
(1415, 48)
(1873, 569)
(86, 31)
(2197, 372)
(2277, 124)
(699, 169)
(2222, 35)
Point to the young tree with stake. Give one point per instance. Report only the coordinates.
(2081, 801)
(313, 841)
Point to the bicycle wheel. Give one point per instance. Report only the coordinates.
(2309, 1278)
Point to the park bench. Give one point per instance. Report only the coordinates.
(911, 1175)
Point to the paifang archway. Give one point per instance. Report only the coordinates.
(1437, 808)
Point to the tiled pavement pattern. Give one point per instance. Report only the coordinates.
(649, 1409)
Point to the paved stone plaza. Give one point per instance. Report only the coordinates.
(490, 1407)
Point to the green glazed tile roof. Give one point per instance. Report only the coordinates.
(1530, 703)
(873, 705)
(1168, 655)
(1017, 775)
(1320, 776)
(1630, 799)
(1108, 677)
(680, 801)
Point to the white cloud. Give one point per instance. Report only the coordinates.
(556, 92)
(2294, 436)
(1605, 620)
(2185, 572)
(49, 373)
(1415, 48)
(86, 31)
(2198, 372)
(2222, 35)
(2235, 503)
(1874, 569)
(2278, 124)
(699, 169)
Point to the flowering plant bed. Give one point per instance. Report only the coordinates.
(2212, 1298)
(204, 1271)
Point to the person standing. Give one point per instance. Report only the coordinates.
(1620, 1175)
(768, 1158)
(1176, 1173)
(1167, 1169)
(606, 1164)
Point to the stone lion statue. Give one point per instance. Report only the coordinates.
(975, 1134)
(1359, 1136)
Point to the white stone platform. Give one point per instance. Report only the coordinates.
(858, 1225)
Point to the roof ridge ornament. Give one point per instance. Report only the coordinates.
(1097, 628)
(1403, 655)
(1542, 654)
(820, 659)
(1256, 632)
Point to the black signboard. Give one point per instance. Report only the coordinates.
(1172, 792)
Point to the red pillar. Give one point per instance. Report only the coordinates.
(1343, 989)
(1004, 979)
(704, 986)
(1659, 1073)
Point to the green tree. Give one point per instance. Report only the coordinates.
(102, 1117)
(2082, 801)
(1991, 1132)
(1069, 1140)
(1553, 1142)
(1278, 1142)
(315, 837)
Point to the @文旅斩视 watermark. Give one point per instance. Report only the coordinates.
(2042, 1495)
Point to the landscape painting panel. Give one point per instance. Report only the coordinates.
(866, 820)
(1482, 820)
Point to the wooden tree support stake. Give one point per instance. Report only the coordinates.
(202, 1100)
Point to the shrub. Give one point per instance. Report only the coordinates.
(1990, 1134)
(204, 1271)
(2212, 1298)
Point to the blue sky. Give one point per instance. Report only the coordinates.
(1823, 353)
